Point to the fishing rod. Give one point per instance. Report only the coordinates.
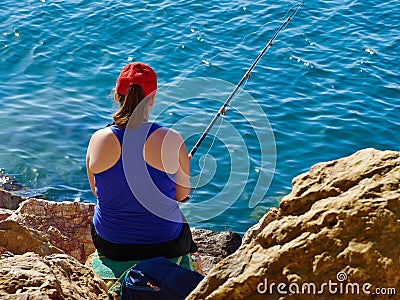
(221, 111)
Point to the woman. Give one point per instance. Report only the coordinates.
(138, 178)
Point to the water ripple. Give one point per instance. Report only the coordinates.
(330, 85)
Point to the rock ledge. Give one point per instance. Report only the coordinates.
(340, 223)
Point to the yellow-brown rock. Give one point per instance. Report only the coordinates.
(214, 246)
(337, 233)
(18, 239)
(57, 276)
(65, 224)
(9, 200)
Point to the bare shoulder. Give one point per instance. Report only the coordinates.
(170, 139)
(103, 141)
(103, 136)
(103, 151)
(102, 133)
(167, 134)
(164, 149)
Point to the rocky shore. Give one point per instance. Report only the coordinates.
(44, 246)
(336, 235)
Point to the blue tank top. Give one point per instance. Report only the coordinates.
(136, 202)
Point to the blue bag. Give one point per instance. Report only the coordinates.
(159, 278)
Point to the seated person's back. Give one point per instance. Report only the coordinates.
(138, 171)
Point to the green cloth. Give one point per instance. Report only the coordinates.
(109, 269)
(113, 271)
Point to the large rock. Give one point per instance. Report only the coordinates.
(56, 276)
(17, 239)
(214, 246)
(339, 229)
(9, 200)
(65, 224)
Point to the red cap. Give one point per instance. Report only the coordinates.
(137, 73)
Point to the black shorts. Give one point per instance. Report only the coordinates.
(181, 245)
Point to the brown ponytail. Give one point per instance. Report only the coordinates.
(128, 104)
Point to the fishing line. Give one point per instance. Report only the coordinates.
(207, 62)
(202, 167)
(245, 37)
(246, 76)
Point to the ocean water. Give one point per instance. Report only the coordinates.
(328, 86)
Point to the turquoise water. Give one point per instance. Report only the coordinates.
(329, 86)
